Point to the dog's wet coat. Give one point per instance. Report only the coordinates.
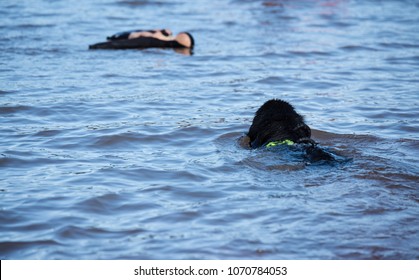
(276, 122)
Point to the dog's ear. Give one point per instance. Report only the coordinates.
(302, 131)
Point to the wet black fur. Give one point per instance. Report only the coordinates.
(277, 120)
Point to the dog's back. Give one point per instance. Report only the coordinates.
(277, 120)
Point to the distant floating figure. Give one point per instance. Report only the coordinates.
(140, 39)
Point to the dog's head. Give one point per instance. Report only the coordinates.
(277, 120)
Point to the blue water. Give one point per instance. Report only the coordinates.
(136, 154)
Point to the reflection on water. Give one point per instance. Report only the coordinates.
(136, 154)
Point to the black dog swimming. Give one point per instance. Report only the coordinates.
(277, 123)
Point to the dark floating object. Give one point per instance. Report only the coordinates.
(139, 39)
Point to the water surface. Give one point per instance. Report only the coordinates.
(136, 155)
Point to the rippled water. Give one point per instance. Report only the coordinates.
(136, 154)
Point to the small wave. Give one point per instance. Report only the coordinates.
(4, 92)
(77, 232)
(354, 48)
(9, 248)
(409, 60)
(273, 80)
(25, 162)
(397, 45)
(8, 110)
(181, 137)
(119, 140)
(309, 53)
(139, 3)
(27, 26)
(114, 203)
